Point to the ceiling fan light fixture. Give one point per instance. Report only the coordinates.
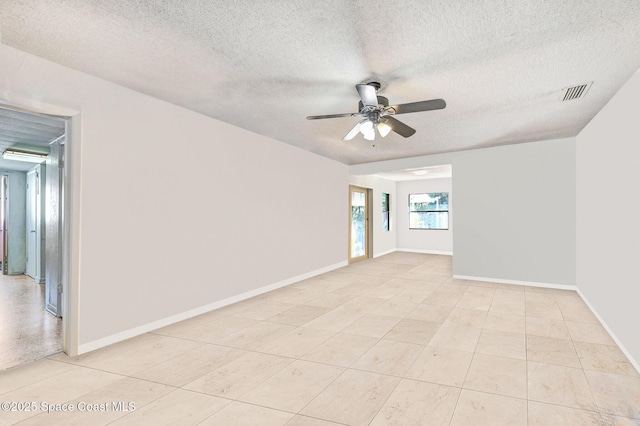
(368, 130)
(384, 129)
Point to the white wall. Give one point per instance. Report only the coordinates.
(174, 210)
(383, 242)
(515, 213)
(430, 241)
(608, 212)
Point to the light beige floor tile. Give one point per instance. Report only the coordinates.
(612, 420)
(335, 320)
(616, 394)
(604, 358)
(474, 283)
(354, 398)
(56, 390)
(299, 420)
(483, 409)
(546, 414)
(417, 292)
(263, 310)
(510, 287)
(97, 407)
(31, 373)
(298, 315)
(510, 345)
(383, 291)
(573, 308)
(431, 313)
(590, 333)
(208, 331)
(499, 375)
(395, 308)
(542, 305)
(341, 349)
(509, 292)
(372, 325)
(363, 304)
(180, 407)
(174, 330)
(386, 357)
(478, 298)
(293, 296)
(357, 288)
(467, 317)
(255, 335)
(296, 343)
(238, 377)
(293, 387)
(502, 321)
(397, 270)
(508, 306)
(238, 306)
(238, 413)
(508, 301)
(330, 301)
(454, 336)
(446, 295)
(413, 331)
(187, 367)
(559, 385)
(546, 327)
(441, 365)
(552, 351)
(134, 355)
(418, 403)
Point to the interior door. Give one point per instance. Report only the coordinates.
(358, 224)
(3, 224)
(32, 221)
(53, 240)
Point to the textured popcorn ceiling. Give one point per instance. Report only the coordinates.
(264, 65)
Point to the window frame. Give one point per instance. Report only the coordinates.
(428, 211)
(388, 211)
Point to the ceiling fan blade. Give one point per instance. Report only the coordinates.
(367, 94)
(353, 132)
(419, 106)
(398, 126)
(349, 114)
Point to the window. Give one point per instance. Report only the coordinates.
(429, 211)
(385, 212)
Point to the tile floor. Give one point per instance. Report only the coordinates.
(390, 341)
(27, 331)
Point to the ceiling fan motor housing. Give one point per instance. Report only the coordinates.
(382, 101)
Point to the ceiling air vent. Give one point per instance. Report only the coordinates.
(575, 92)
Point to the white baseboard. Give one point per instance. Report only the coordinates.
(516, 282)
(127, 334)
(383, 253)
(633, 362)
(443, 253)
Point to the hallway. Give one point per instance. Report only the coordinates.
(27, 331)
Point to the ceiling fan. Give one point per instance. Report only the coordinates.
(377, 114)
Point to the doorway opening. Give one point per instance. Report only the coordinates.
(31, 228)
(360, 241)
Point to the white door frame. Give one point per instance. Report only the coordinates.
(71, 207)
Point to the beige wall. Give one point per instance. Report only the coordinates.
(173, 210)
(608, 224)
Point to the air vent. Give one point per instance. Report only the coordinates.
(575, 92)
